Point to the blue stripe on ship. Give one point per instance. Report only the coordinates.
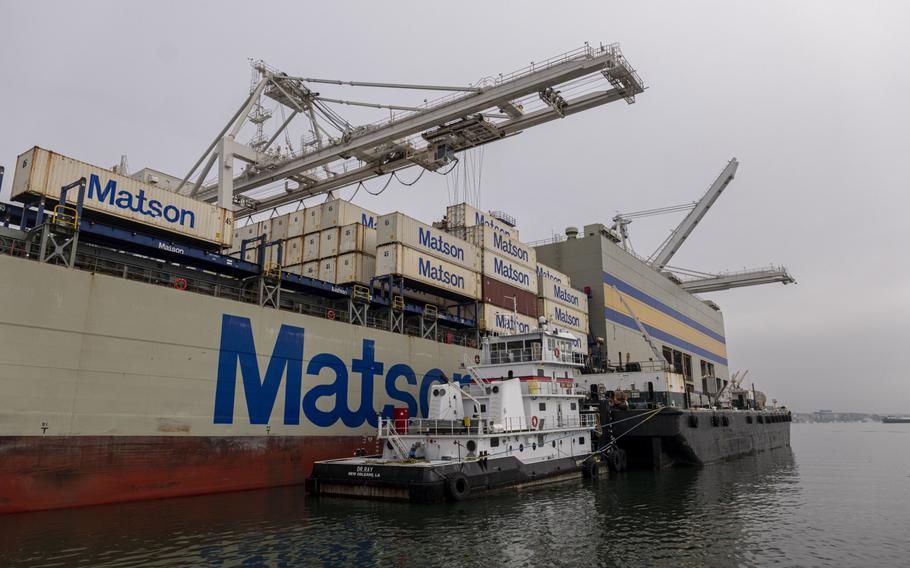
(658, 305)
(624, 320)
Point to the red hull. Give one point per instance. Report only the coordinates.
(52, 472)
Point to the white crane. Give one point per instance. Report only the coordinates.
(336, 153)
(691, 280)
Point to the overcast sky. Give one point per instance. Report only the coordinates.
(811, 97)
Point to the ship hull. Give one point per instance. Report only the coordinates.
(54, 472)
(114, 390)
(696, 437)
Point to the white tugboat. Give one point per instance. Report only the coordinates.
(517, 423)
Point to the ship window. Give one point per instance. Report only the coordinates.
(494, 442)
(554, 443)
(574, 406)
(543, 406)
(540, 373)
(483, 408)
(581, 439)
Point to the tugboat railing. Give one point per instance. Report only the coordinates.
(535, 355)
(395, 428)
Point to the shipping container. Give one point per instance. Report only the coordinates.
(395, 258)
(581, 343)
(296, 222)
(293, 269)
(311, 247)
(544, 272)
(565, 295)
(489, 239)
(311, 270)
(502, 321)
(354, 268)
(357, 238)
(265, 228)
(41, 173)
(328, 242)
(338, 213)
(312, 219)
(327, 269)
(278, 227)
(464, 215)
(509, 297)
(560, 316)
(399, 228)
(293, 251)
(514, 274)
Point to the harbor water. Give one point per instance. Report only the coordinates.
(839, 497)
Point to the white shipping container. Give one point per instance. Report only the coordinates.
(293, 269)
(395, 258)
(563, 317)
(292, 252)
(354, 267)
(328, 242)
(503, 321)
(278, 228)
(544, 272)
(40, 172)
(296, 222)
(514, 250)
(464, 215)
(327, 269)
(399, 228)
(311, 247)
(565, 295)
(338, 213)
(502, 269)
(312, 219)
(357, 238)
(311, 270)
(265, 228)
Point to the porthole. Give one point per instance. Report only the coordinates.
(521, 447)
(471, 445)
(435, 392)
(495, 389)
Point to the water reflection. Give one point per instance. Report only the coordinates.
(718, 515)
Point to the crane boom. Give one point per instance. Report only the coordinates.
(685, 228)
(428, 136)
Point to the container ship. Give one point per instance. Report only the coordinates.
(172, 336)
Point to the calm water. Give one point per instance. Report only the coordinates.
(841, 497)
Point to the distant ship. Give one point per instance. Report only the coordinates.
(896, 420)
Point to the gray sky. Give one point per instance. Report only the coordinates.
(809, 96)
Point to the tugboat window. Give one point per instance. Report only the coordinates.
(483, 407)
(494, 442)
(543, 406)
(554, 443)
(573, 406)
(581, 439)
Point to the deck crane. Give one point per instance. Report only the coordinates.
(336, 153)
(691, 280)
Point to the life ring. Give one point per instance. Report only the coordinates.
(556, 352)
(180, 283)
(330, 314)
(534, 422)
(458, 486)
(477, 359)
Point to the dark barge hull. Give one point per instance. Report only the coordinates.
(696, 437)
(434, 484)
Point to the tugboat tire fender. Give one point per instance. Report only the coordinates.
(458, 486)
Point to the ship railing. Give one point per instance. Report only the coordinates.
(395, 427)
(535, 355)
(98, 260)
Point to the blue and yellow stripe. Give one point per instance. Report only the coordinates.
(661, 321)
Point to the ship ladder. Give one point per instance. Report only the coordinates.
(396, 442)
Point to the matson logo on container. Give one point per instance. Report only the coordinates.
(395, 258)
(438, 243)
(41, 172)
(563, 316)
(547, 273)
(563, 294)
(498, 320)
(399, 228)
(505, 270)
(511, 249)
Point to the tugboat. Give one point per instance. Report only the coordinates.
(516, 422)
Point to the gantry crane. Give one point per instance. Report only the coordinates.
(691, 280)
(336, 153)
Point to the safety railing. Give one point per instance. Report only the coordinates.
(506, 356)
(389, 427)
